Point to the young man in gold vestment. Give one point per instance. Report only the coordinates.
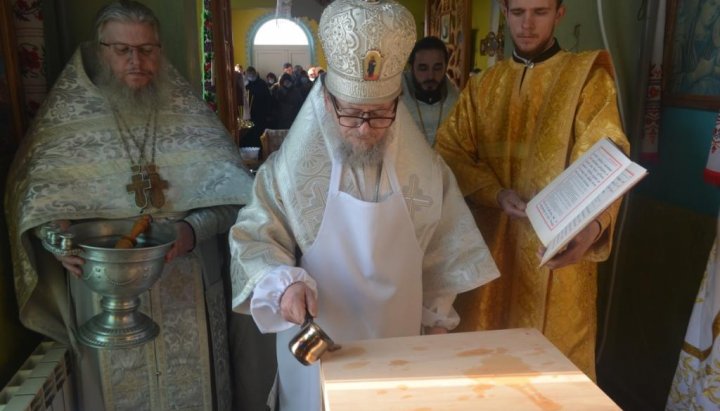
(516, 127)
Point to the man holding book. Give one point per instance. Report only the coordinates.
(516, 127)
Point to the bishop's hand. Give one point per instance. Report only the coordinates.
(295, 300)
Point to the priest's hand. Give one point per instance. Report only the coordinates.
(184, 241)
(296, 300)
(511, 203)
(576, 248)
(72, 263)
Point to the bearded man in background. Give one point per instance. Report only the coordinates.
(427, 91)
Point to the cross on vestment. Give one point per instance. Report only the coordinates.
(147, 185)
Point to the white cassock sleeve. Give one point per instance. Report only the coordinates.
(265, 301)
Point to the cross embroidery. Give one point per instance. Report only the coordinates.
(317, 200)
(414, 196)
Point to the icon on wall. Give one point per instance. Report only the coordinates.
(445, 28)
(492, 45)
(691, 64)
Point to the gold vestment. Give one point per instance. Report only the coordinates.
(518, 127)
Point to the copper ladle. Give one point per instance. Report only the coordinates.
(311, 342)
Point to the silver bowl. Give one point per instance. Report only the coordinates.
(120, 276)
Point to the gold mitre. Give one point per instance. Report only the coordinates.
(366, 44)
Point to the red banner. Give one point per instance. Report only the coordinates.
(712, 169)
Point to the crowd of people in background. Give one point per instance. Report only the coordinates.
(273, 102)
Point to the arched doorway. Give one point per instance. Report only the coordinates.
(279, 41)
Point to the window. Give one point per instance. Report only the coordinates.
(280, 32)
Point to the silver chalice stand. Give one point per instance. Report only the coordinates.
(119, 275)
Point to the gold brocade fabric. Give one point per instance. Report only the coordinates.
(518, 128)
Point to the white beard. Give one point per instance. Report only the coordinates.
(349, 154)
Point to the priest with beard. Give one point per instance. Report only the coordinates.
(355, 221)
(120, 114)
(427, 91)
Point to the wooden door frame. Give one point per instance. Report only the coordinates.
(9, 52)
(223, 64)
(466, 24)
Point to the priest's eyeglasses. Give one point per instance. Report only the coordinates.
(123, 49)
(355, 118)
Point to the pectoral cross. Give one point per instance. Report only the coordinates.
(157, 184)
(147, 185)
(140, 185)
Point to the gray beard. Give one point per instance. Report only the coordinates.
(350, 155)
(363, 157)
(132, 101)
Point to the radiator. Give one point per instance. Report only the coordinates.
(42, 383)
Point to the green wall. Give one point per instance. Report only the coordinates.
(417, 8)
(677, 176)
(481, 20)
(580, 30)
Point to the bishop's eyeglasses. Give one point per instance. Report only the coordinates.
(124, 49)
(355, 118)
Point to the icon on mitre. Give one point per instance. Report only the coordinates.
(372, 65)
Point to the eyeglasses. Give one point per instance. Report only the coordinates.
(123, 49)
(375, 119)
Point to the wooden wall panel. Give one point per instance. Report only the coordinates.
(450, 20)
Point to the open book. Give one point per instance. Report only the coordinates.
(578, 195)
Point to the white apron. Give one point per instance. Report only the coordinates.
(368, 266)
